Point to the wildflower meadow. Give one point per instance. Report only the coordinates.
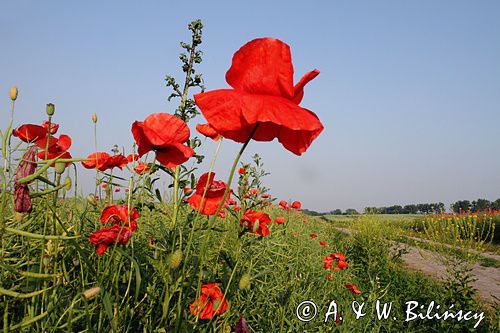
(214, 252)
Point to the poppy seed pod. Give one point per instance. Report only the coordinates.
(60, 167)
(13, 93)
(50, 109)
(175, 259)
(94, 117)
(245, 281)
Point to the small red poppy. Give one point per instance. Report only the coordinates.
(330, 277)
(213, 196)
(132, 157)
(283, 204)
(142, 168)
(322, 243)
(166, 135)
(208, 131)
(210, 303)
(241, 171)
(263, 93)
(106, 237)
(265, 196)
(279, 220)
(353, 288)
(296, 205)
(313, 235)
(254, 191)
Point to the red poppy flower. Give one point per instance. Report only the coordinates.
(117, 189)
(210, 303)
(104, 185)
(102, 161)
(106, 237)
(30, 132)
(296, 205)
(262, 77)
(313, 235)
(338, 255)
(254, 191)
(53, 127)
(328, 262)
(283, 204)
(166, 135)
(208, 131)
(58, 147)
(279, 220)
(341, 264)
(213, 196)
(265, 196)
(132, 157)
(330, 277)
(142, 168)
(241, 171)
(353, 288)
(322, 243)
(119, 214)
(256, 222)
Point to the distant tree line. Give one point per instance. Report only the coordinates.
(423, 208)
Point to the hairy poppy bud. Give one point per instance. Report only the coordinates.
(91, 293)
(67, 183)
(60, 167)
(94, 118)
(91, 200)
(176, 259)
(245, 281)
(13, 93)
(50, 109)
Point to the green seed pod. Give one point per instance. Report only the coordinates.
(50, 109)
(175, 259)
(60, 167)
(245, 281)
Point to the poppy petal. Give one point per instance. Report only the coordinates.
(299, 87)
(174, 155)
(262, 66)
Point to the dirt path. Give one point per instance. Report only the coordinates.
(431, 263)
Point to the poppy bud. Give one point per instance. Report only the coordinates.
(245, 281)
(50, 109)
(13, 93)
(256, 225)
(60, 167)
(94, 118)
(91, 200)
(175, 259)
(67, 183)
(18, 217)
(90, 293)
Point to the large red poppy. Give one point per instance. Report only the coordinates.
(30, 132)
(210, 303)
(213, 196)
(103, 161)
(106, 237)
(166, 135)
(119, 214)
(57, 147)
(263, 93)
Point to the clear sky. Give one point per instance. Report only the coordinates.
(409, 91)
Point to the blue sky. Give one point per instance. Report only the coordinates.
(409, 91)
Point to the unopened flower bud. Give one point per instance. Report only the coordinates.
(245, 281)
(91, 293)
(176, 259)
(13, 93)
(67, 183)
(91, 200)
(60, 167)
(50, 109)
(94, 118)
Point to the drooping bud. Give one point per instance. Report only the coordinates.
(67, 183)
(175, 259)
(91, 293)
(245, 281)
(13, 93)
(91, 200)
(27, 167)
(50, 109)
(94, 117)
